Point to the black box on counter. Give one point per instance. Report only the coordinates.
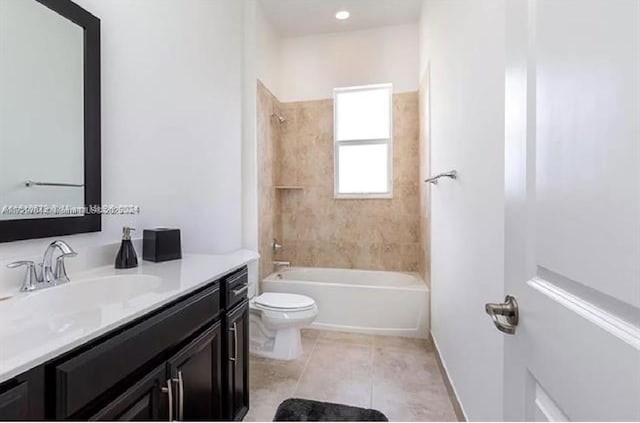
(161, 244)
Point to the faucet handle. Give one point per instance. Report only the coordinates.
(275, 245)
(30, 278)
(21, 263)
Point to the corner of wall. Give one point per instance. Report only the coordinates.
(249, 142)
(422, 41)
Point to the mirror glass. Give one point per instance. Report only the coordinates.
(41, 113)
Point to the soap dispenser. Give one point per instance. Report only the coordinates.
(126, 258)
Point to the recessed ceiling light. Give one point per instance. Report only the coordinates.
(342, 15)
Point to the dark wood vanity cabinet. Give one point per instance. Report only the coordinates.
(237, 365)
(188, 387)
(187, 361)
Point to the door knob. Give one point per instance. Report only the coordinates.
(504, 315)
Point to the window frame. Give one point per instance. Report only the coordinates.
(375, 141)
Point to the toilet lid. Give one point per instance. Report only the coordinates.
(276, 300)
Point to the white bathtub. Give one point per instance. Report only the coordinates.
(363, 301)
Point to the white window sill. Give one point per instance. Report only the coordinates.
(387, 196)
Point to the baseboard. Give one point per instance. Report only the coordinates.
(453, 396)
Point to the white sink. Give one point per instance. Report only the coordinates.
(69, 309)
(108, 289)
(79, 296)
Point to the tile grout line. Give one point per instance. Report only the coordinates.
(304, 368)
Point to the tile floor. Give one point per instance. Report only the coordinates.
(397, 376)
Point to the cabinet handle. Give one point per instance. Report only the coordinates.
(180, 397)
(239, 291)
(169, 391)
(235, 342)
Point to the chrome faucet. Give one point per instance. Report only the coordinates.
(279, 265)
(275, 245)
(57, 274)
(45, 274)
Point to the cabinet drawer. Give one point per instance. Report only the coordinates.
(84, 377)
(235, 287)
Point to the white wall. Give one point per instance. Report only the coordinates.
(261, 62)
(268, 53)
(463, 45)
(249, 124)
(171, 121)
(423, 33)
(312, 66)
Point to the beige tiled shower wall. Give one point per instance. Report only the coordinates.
(318, 230)
(268, 136)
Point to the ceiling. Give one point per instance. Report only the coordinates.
(294, 18)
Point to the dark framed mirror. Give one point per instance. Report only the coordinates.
(50, 125)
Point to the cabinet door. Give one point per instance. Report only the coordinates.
(237, 363)
(147, 400)
(14, 403)
(197, 375)
(23, 397)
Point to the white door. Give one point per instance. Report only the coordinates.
(572, 234)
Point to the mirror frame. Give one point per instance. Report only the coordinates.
(21, 229)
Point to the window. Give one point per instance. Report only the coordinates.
(363, 142)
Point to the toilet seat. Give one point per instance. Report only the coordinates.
(276, 301)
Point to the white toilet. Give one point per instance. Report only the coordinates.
(275, 323)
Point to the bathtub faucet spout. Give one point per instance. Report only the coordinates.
(281, 264)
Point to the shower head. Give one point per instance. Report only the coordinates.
(278, 117)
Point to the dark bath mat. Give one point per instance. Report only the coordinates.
(302, 410)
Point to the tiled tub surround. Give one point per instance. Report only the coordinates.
(268, 135)
(316, 229)
(321, 231)
(397, 376)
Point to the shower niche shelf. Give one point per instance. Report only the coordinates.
(288, 187)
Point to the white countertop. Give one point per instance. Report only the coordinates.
(39, 326)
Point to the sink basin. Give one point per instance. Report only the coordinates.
(110, 289)
(70, 309)
(80, 295)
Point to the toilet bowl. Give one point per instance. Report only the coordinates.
(275, 323)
